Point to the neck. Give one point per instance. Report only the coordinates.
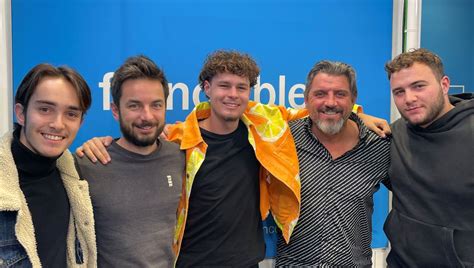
(219, 126)
(341, 142)
(143, 150)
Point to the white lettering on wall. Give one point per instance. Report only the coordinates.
(294, 93)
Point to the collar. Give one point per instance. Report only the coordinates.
(29, 163)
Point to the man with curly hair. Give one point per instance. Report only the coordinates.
(236, 169)
(241, 163)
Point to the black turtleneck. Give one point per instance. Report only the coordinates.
(47, 201)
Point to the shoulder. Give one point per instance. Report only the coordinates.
(171, 148)
(66, 164)
(301, 130)
(298, 125)
(6, 143)
(399, 127)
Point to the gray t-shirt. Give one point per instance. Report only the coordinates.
(135, 198)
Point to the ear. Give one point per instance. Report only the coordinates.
(20, 114)
(115, 111)
(445, 83)
(207, 88)
(354, 99)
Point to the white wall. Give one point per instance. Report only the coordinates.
(6, 95)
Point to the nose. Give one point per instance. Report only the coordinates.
(410, 96)
(233, 92)
(57, 122)
(146, 113)
(330, 100)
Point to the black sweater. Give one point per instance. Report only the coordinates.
(432, 177)
(47, 200)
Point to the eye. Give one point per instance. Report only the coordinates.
(44, 110)
(73, 114)
(158, 105)
(132, 106)
(341, 94)
(397, 92)
(318, 94)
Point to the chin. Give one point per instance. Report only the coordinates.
(51, 154)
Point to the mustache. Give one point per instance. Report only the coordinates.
(147, 124)
(331, 109)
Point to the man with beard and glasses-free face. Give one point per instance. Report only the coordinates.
(341, 166)
(241, 164)
(135, 196)
(45, 209)
(432, 176)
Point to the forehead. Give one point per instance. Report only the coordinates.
(416, 72)
(231, 78)
(57, 91)
(142, 88)
(324, 81)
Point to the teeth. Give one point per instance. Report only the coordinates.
(330, 112)
(52, 137)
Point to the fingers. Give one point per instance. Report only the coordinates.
(380, 132)
(80, 151)
(107, 140)
(386, 128)
(382, 127)
(378, 125)
(95, 149)
(164, 133)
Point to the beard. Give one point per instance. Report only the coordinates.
(331, 127)
(432, 112)
(137, 140)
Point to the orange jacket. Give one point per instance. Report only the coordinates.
(274, 147)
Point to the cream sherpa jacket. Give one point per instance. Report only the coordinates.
(81, 223)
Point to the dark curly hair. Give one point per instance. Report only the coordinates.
(222, 61)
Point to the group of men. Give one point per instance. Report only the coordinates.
(153, 203)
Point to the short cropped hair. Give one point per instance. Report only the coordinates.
(420, 55)
(136, 68)
(332, 68)
(30, 82)
(222, 61)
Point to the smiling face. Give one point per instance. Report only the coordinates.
(229, 96)
(329, 102)
(419, 96)
(52, 118)
(141, 114)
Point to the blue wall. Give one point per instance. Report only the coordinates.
(447, 28)
(285, 37)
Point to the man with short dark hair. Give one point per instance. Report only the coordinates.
(432, 219)
(45, 210)
(241, 164)
(135, 196)
(342, 164)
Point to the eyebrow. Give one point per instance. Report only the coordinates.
(416, 82)
(71, 107)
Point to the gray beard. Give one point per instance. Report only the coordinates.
(330, 128)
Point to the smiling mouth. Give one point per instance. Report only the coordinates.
(330, 112)
(231, 104)
(148, 127)
(53, 137)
